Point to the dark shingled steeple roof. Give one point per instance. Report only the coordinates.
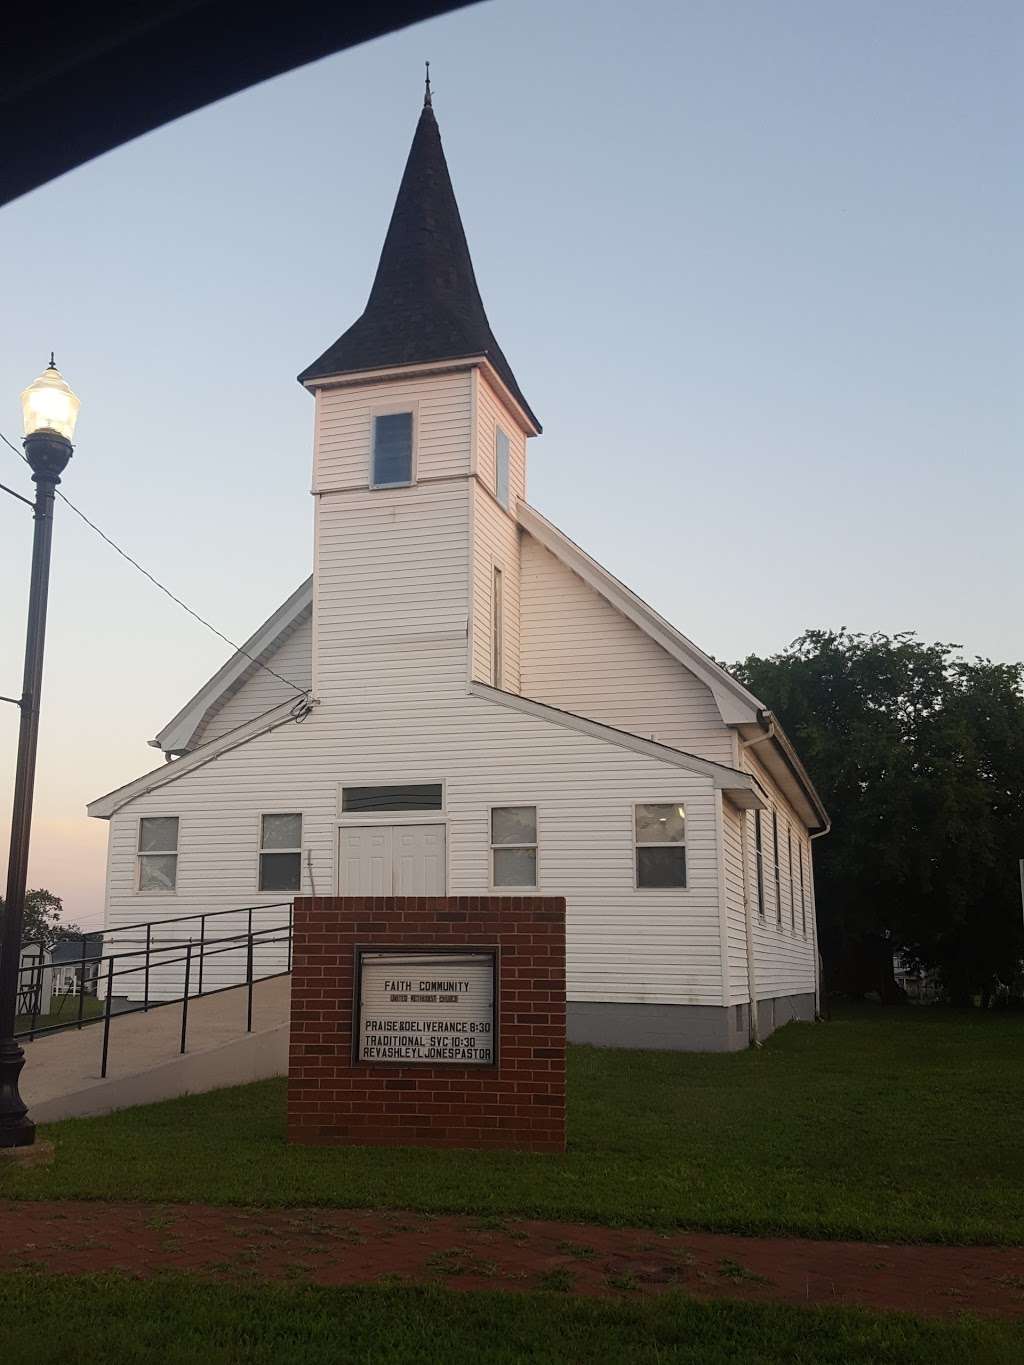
(424, 304)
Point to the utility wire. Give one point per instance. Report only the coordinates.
(300, 691)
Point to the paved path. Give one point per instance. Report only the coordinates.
(330, 1246)
(69, 1061)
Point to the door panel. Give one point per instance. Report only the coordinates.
(419, 860)
(392, 860)
(365, 861)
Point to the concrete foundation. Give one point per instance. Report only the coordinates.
(680, 1028)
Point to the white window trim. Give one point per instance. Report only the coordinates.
(776, 869)
(505, 890)
(803, 888)
(505, 502)
(435, 815)
(164, 853)
(387, 410)
(260, 850)
(667, 843)
(497, 627)
(758, 845)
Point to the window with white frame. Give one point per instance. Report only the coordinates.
(497, 632)
(792, 884)
(158, 853)
(392, 449)
(501, 466)
(660, 844)
(395, 796)
(281, 852)
(775, 860)
(514, 846)
(803, 893)
(759, 862)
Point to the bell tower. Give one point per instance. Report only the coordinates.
(419, 460)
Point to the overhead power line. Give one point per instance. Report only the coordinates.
(300, 691)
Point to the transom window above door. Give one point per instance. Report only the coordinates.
(392, 449)
(397, 796)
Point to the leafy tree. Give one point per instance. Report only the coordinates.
(919, 757)
(41, 922)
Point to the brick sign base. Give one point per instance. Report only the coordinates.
(519, 1102)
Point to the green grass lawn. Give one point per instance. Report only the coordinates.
(176, 1321)
(881, 1125)
(64, 1011)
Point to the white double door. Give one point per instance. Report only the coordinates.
(391, 860)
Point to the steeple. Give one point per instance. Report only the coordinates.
(424, 304)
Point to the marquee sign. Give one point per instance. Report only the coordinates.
(433, 1008)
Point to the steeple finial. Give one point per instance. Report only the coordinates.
(51, 365)
(427, 102)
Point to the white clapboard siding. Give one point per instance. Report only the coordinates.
(624, 945)
(736, 937)
(260, 690)
(391, 564)
(784, 958)
(581, 654)
(495, 544)
(344, 426)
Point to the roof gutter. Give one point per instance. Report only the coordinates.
(789, 756)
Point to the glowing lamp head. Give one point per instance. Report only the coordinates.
(50, 404)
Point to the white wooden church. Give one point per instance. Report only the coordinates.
(462, 701)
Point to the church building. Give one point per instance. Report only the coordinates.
(461, 701)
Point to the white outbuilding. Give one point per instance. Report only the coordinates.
(461, 701)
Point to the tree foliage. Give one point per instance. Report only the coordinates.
(919, 757)
(41, 922)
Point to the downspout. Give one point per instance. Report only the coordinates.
(748, 927)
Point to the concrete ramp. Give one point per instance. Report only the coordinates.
(61, 1078)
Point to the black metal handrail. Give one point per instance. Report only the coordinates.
(154, 955)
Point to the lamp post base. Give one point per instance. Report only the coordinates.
(16, 1128)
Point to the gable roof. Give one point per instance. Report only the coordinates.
(287, 711)
(741, 787)
(735, 703)
(425, 304)
(179, 733)
(737, 706)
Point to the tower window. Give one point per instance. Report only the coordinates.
(501, 463)
(497, 643)
(392, 449)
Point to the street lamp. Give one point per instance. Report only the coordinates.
(50, 410)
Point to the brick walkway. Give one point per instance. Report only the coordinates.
(330, 1246)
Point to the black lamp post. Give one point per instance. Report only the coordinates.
(50, 410)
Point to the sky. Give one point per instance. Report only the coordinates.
(757, 268)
